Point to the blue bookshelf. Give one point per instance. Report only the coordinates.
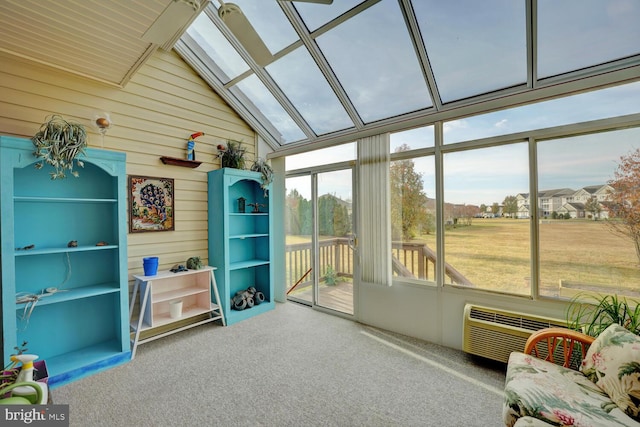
(83, 328)
(240, 243)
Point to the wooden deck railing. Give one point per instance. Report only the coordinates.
(335, 253)
(415, 260)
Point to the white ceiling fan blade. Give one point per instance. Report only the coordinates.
(242, 29)
(313, 1)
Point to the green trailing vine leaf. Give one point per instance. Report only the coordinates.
(261, 165)
(59, 143)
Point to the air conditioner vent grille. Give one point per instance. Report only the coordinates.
(494, 333)
(536, 325)
(508, 320)
(516, 320)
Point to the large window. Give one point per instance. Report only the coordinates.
(586, 243)
(487, 246)
(413, 218)
(584, 202)
(544, 211)
(413, 205)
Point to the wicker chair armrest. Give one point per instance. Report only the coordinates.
(550, 343)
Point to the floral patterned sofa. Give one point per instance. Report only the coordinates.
(601, 389)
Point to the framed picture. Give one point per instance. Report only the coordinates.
(150, 204)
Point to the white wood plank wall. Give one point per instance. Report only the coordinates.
(153, 115)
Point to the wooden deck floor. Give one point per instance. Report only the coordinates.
(338, 297)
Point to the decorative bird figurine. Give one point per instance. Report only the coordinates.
(191, 144)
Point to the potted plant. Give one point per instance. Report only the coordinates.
(261, 165)
(58, 143)
(592, 314)
(231, 155)
(194, 263)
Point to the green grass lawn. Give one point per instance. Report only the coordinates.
(496, 254)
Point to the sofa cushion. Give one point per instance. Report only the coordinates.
(531, 422)
(557, 395)
(613, 363)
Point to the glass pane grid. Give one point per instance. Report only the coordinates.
(607, 31)
(472, 54)
(378, 67)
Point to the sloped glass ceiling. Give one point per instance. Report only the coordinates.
(341, 69)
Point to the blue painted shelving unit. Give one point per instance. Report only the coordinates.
(83, 328)
(240, 243)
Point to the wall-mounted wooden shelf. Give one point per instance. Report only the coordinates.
(174, 161)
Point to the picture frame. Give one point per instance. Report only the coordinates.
(151, 204)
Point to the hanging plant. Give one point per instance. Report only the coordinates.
(261, 165)
(58, 143)
(231, 156)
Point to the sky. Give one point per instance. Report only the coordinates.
(488, 175)
(473, 48)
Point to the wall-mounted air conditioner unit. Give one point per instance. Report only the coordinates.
(494, 333)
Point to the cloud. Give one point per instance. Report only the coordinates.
(501, 124)
(454, 125)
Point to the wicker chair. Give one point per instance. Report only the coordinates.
(561, 346)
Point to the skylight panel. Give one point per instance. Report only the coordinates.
(574, 34)
(267, 105)
(374, 59)
(474, 46)
(303, 83)
(316, 15)
(229, 63)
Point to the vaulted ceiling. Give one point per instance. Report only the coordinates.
(334, 72)
(352, 68)
(105, 40)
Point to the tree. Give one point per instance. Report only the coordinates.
(341, 219)
(333, 217)
(408, 200)
(593, 207)
(625, 199)
(510, 206)
(495, 208)
(298, 214)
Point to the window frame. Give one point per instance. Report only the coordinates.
(531, 137)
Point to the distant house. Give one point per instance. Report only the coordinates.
(574, 209)
(607, 207)
(552, 200)
(523, 203)
(566, 200)
(523, 212)
(600, 192)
